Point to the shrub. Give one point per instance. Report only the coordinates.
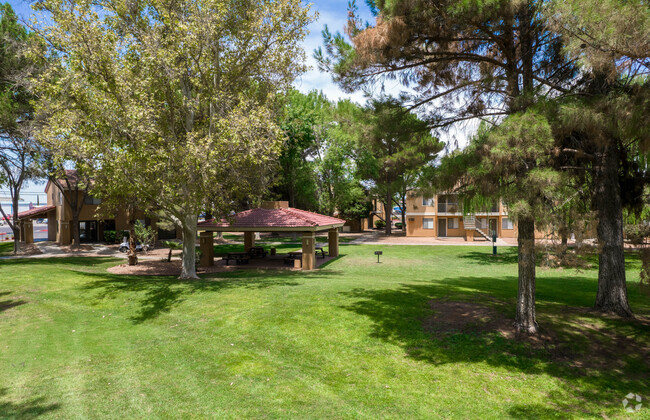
(144, 234)
(380, 224)
(636, 234)
(110, 236)
(398, 225)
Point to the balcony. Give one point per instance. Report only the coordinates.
(448, 208)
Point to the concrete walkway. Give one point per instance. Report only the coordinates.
(379, 238)
(51, 249)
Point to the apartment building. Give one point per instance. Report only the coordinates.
(441, 216)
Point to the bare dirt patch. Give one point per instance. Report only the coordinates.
(162, 268)
(29, 249)
(578, 337)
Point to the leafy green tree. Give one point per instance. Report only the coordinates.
(302, 122)
(394, 143)
(178, 96)
(317, 166)
(18, 151)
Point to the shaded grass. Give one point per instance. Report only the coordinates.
(6, 248)
(290, 239)
(345, 341)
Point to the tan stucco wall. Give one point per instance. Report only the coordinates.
(414, 228)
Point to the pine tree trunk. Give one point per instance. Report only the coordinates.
(188, 270)
(612, 290)
(387, 213)
(525, 321)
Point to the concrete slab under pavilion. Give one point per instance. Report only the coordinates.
(274, 216)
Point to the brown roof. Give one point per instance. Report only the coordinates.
(275, 219)
(35, 212)
(70, 180)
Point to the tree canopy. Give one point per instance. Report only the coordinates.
(177, 99)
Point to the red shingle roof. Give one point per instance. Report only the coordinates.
(288, 218)
(37, 211)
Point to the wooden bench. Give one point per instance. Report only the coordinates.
(238, 257)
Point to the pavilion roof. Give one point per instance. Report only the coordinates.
(278, 219)
(35, 212)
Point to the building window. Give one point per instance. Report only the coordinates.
(452, 223)
(506, 224)
(60, 198)
(427, 223)
(92, 200)
(428, 201)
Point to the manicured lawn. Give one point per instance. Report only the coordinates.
(352, 340)
(297, 240)
(6, 248)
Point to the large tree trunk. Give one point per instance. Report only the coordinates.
(388, 204)
(16, 226)
(188, 270)
(404, 212)
(132, 256)
(525, 321)
(76, 237)
(612, 290)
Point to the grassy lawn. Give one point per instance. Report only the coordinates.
(271, 239)
(6, 248)
(355, 339)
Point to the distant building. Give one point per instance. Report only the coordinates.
(441, 216)
(91, 226)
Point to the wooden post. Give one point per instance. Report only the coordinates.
(333, 242)
(249, 241)
(28, 226)
(21, 231)
(308, 250)
(469, 235)
(206, 240)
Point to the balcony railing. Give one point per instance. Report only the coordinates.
(448, 208)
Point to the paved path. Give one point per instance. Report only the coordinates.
(378, 238)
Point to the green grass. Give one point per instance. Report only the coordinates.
(272, 239)
(6, 248)
(346, 341)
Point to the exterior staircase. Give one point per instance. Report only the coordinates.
(469, 222)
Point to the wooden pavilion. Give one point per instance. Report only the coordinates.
(273, 216)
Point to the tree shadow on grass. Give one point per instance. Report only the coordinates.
(30, 409)
(505, 255)
(595, 365)
(163, 293)
(8, 304)
(54, 261)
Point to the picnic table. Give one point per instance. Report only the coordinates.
(293, 255)
(257, 252)
(320, 252)
(238, 257)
